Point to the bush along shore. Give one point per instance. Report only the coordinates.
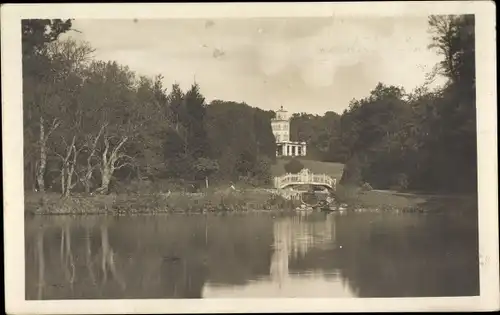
(345, 199)
(157, 203)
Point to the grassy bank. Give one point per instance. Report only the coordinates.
(249, 199)
(115, 204)
(384, 200)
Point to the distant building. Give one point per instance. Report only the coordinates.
(281, 131)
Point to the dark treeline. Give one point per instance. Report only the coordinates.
(423, 140)
(318, 131)
(91, 124)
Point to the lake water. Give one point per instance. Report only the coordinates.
(251, 255)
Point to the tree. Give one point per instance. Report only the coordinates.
(36, 33)
(245, 163)
(177, 111)
(205, 167)
(186, 139)
(317, 131)
(239, 136)
(453, 38)
(419, 140)
(70, 60)
(266, 144)
(351, 175)
(455, 124)
(371, 129)
(113, 116)
(40, 83)
(194, 123)
(52, 95)
(148, 148)
(294, 166)
(262, 169)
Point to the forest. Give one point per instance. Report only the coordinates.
(422, 140)
(92, 125)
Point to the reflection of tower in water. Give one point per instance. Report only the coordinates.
(294, 237)
(279, 259)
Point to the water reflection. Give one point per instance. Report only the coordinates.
(254, 255)
(293, 238)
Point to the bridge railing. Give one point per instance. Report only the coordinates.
(304, 178)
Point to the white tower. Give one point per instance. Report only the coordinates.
(281, 130)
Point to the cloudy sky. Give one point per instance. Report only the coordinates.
(305, 64)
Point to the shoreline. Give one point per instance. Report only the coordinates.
(157, 203)
(245, 201)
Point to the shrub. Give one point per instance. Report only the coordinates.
(366, 187)
(262, 170)
(401, 181)
(346, 193)
(294, 166)
(352, 173)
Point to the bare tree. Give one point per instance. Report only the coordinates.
(113, 156)
(91, 164)
(69, 165)
(42, 144)
(53, 90)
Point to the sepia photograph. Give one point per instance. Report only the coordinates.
(334, 154)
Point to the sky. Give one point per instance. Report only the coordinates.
(311, 65)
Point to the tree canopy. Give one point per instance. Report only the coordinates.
(423, 140)
(90, 123)
(293, 166)
(420, 140)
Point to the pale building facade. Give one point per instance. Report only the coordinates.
(281, 130)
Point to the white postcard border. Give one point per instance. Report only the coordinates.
(12, 136)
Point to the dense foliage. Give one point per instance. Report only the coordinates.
(318, 131)
(91, 123)
(423, 140)
(293, 166)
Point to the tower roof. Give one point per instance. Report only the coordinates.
(281, 109)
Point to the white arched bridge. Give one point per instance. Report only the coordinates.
(305, 178)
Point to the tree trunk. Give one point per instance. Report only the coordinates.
(106, 179)
(90, 168)
(43, 158)
(87, 180)
(30, 175)
(42, 142)
(206, 181)
(86, 185)
(68, 169)
(69, 178)
(108, 164)
(33, 175)
(68, 183)
(63, 181)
